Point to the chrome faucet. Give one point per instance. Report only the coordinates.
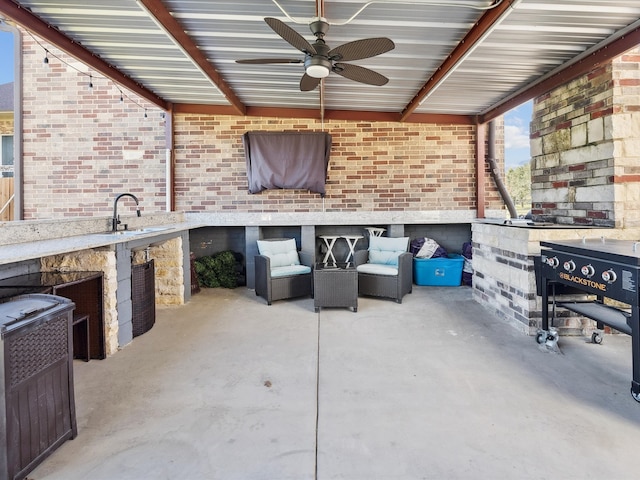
(115, 221)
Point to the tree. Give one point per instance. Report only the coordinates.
(519, 185)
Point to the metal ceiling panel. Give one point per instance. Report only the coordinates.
(531, 39)
(123, 34)
(537, 37)
(406, 66)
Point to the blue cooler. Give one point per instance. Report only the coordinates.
(439, 272)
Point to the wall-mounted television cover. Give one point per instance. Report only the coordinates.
(292, 160)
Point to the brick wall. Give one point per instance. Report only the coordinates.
(625, 133)
(83, 146)
(373, 167)
(584, 145)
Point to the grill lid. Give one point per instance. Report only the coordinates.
(27, 306)
(608, 249)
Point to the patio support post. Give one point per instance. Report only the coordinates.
(170, 159)
(481, 129)
(251, 236)
(495, 173)
(308, 239)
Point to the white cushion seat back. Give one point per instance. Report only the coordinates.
(383, 255)
(385, 250)
(283, 257)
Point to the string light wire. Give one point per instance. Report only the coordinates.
(46, 60)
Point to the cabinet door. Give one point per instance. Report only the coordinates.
(143, 297)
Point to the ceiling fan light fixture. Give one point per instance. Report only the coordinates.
(318, 71)
(318, 66)
(320, 60)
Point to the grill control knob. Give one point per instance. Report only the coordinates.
(570, 266)
(553, 262)
(588, 271)
(609, 276)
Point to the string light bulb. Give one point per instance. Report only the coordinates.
(45, 61)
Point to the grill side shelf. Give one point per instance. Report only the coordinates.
(610, 316)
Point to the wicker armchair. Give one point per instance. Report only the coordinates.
(385, 270)
(281, 271)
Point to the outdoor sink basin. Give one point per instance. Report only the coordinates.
(137, 231)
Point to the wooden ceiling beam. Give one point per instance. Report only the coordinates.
(469, 42)
(345, 115)
(592, 61)
(173, 28)
(39, 27)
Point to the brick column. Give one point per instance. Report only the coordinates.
(585, 139)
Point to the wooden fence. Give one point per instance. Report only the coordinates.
(6, 199)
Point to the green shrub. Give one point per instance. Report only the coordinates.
(218, 270)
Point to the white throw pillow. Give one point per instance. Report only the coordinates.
(385, 250)
(282, 253)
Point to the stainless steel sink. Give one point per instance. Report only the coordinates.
(137, 231)
(151, 229)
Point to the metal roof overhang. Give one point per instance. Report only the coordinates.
(461, 61)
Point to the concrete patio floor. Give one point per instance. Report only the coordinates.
(228, 388)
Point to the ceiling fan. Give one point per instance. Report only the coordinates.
(320, 60)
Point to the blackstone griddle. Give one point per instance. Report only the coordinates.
(606, 268)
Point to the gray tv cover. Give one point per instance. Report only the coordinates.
(292, 160)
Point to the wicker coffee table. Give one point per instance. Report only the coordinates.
(335, 285)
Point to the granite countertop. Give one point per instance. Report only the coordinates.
(330, 218)
(18, 252)
(31, 239)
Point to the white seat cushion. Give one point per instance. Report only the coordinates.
(289, 270)
(378, 269)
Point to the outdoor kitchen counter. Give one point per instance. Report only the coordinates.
(30, 239)
(32, 249)
(253, 219)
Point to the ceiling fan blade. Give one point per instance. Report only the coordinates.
(360, 74)
(369, 47)
(269, 60)
(308, 83)
(290, 35)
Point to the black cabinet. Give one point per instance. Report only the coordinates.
(85, 289)
(37, 384)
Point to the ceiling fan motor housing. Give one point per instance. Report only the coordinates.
(319, 65)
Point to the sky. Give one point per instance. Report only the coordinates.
(6, 57)
(516, 121)
(516, 136)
